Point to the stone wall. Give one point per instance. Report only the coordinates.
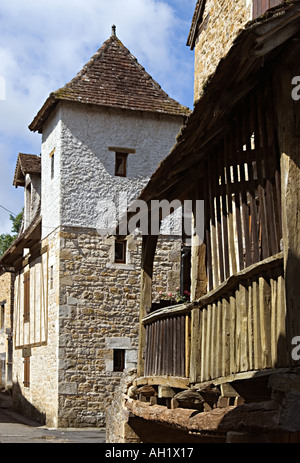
(222, 21)
(38, 337)
(117, 429)
(6, 303)
(98, 313)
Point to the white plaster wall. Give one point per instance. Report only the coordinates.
(51, 188)
(87, 165)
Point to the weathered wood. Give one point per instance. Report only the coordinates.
(189, 399)
(240, 332)
(230, 284)
(148, 252)
(263, 416)
(170, 381)
(289, 146)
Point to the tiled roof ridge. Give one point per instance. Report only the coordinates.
(97, 56)
(26, 163)
(114, 78)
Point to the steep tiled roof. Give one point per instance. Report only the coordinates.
(113, 77)
(26, 164)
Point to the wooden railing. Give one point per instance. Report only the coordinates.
(241, 326)
(238, 327)
(167, 350)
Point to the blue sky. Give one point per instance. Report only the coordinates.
(44, 44)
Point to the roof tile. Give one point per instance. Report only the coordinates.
(113, 77)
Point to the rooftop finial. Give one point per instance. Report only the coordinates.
(113, 31)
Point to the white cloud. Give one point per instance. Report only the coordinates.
(44, 44)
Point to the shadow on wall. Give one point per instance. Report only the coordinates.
(22, 406)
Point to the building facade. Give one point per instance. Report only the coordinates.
(76, 307)
(6, 327)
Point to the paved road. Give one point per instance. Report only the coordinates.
(15, 428)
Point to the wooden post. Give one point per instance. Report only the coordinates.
(198, 257)
(148, 253)
(288, 110)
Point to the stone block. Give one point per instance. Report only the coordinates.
(67, 388)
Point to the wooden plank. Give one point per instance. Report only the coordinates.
(247, 132)
(165, 347)
(256, 326)
(265, 322)
(270, 203)
(224, 210)
(174, 344)
(208, 231)
(238, 332)
(274, 157)
(188, 345)
(241, 161)
(274, 321)
(216, 195)
(205, 344)
(213, 228)
(283, 354)
(254, 233)
(259, 153)
(146, 365)
(219, 338)
(203, 314)
(213, 341)
(234, 148)
(226, 316)
(231, 243)
(148, 350)
(182, 344)
(250, 327)
(155, 348)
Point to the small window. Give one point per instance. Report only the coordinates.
(51, 276)
(120, 251)
(51, 155)
(26, 296)
(121, 164)
(52, 166)
(119, 359)
(26, 381)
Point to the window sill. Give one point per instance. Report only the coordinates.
(113, 265)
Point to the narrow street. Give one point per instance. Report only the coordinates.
(15, 428)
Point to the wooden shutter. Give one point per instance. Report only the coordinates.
(26, 296)
(261, 6)
(26, 381)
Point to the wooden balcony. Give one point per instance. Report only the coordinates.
(238, 327)
(167, 349)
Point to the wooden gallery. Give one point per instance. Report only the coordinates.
(221, 367)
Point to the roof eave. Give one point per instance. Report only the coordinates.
(49, 105)
(41, 117)
(27, 239)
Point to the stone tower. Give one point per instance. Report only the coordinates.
(103, 135)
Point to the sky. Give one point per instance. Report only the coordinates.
(44, 44)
